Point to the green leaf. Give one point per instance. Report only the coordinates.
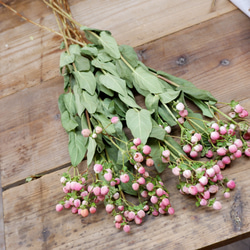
(75, 49)
(86, 80)
(103, 56)
(124, 72)
(109, 44)
(174, 146)
(69, 101)
(194, 121)
(147, 81)
(108, 66)
(139, 122)
(129, 101)
(101, 87)
(169, 95)
(90, 102)
(114, 83)
(203, 107)
(129, 54)
(156, 154)
(66, 59)
(89, 50)
(61, 104)
(91, 150)
(68, 122)
(151, 102)
(157, 132)
(77, 147)
(82, 63)
(166, 116)
(78, 99)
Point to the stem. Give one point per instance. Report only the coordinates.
(167, 80)
(217, 110)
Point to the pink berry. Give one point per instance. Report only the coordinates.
(131, 215)
(203, 202)
(176, 171)
(216, 169)
(108, 176)
(118, 218)
(215, 126)
(181, 120)
(227, 195)
(67, 204)
(193, 190)
(74, 210)
(118, 225)
(154, 199)
(166, 153)
(161, 210)
(194, 139)
(138, 157)
(183, 113)
(232, 148)
(59, 207)
(135, 186)
(92, 210)
(226, 160)
(159, 191)
(141, 170)
(217, 205)
(77, 203)
(243, 114)
(63, 179)
(237, 154)
(238, 108)
(223, 130)
(213, 189)
(221, 164)
(137, 141)
(247, 152)
(124, 178)
(104, 190)
(97, 191)
(114, 119)
(206, 195)
(209, 154)
(187, 148)
(98, 130)
(144, 194)
(138, 220)
(165, 202)
(187, 174)
(171, 210)
(238, 143)
(146, 208)
(65, 190)
(141, 214)
(126, 228)
(210, 172)
(155, 213)
(109, 208)
(215, 135)
(203, 180)
(86, 132)
(214, 179)
(150, 162)
(219, 177)
(146, 150)
(232, 114)
(200, 188)
(193, 154)
(165, 160)
(231, 184)
(71, 201)
(72, 185)
(180, 106)
(168, 129)
(98, 168)
(121, 208)
(141, 181)
(150, 186)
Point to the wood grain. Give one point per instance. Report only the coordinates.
(32, 127)
(31, 62)
(33, 223)
(2, 234)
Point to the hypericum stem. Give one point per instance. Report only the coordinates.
(188, 118)
(170, 112)
(229, 118)
(167, 80)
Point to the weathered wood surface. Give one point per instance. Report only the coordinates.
(211, 49)
(31, 62)
(32, 128)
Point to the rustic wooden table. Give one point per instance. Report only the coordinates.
(209, 47)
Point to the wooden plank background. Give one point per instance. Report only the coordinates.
(184, 38)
